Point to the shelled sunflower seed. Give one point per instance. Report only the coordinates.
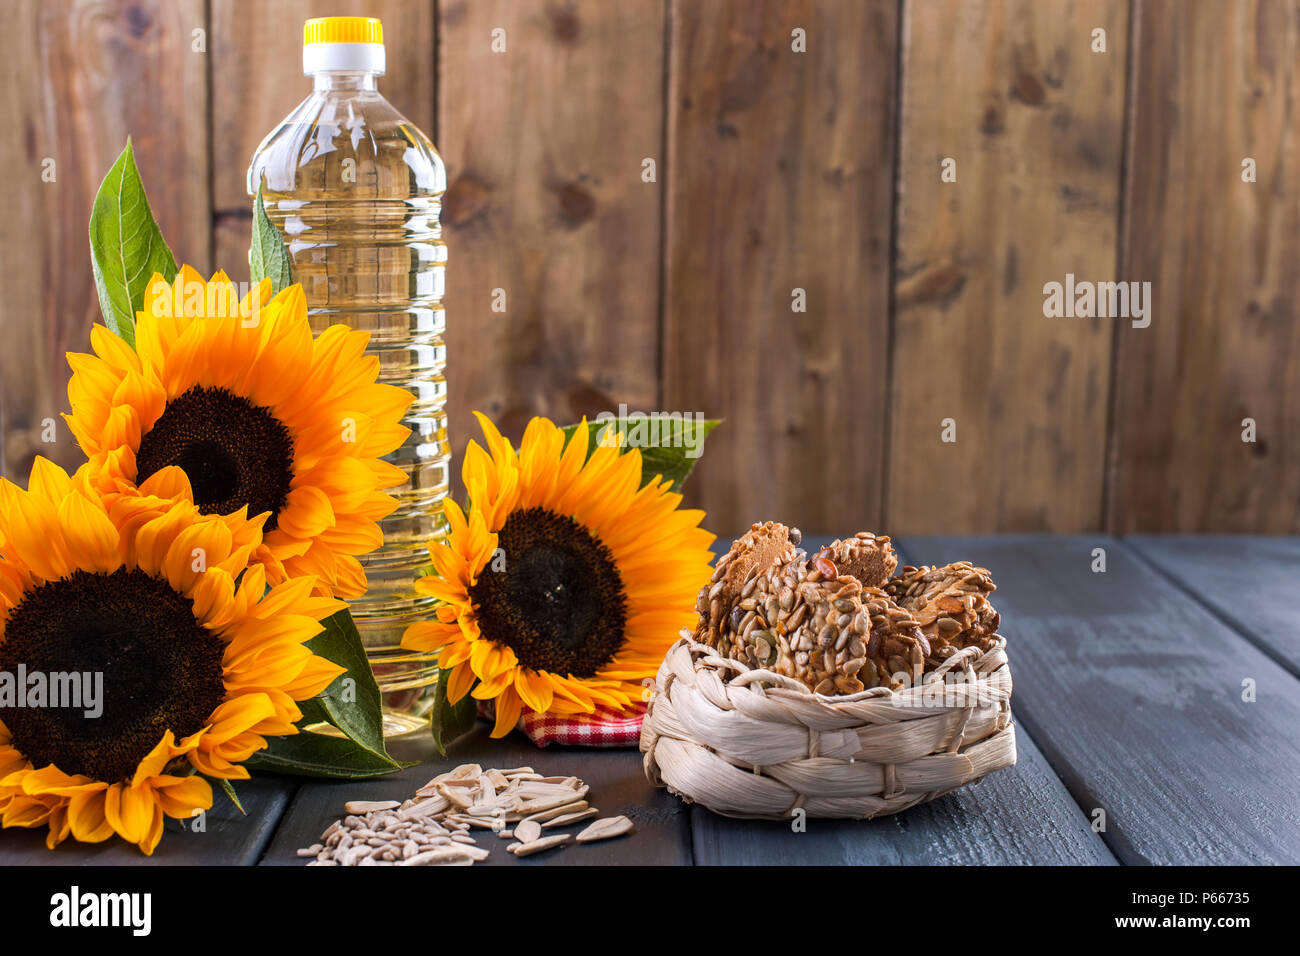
(432, 828)
(605, 829)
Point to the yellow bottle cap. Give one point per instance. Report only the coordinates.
(343, 30)
(347, 44)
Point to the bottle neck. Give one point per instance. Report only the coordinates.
(344, 80)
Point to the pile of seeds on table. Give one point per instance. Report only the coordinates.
(433, 827)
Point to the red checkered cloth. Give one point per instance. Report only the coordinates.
(604, 728)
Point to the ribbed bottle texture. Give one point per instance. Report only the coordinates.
(357, 191)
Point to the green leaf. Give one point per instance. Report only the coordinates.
(228, 789)
(316, 755)
(351, 703)
(670, 446)
(267, 255)
(313, 712)
(450, 721)
(126, 246)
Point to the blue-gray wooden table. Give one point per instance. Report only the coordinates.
(1157, 705)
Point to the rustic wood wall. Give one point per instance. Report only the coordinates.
(779, 177)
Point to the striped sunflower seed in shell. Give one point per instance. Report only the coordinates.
(950, 604)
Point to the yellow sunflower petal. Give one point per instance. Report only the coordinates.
(533, 689)
(87, 817)
(460, 681)
(89, 533)
(130, 811)
(33, 532)
(492, 687)
(169, 482)
(153, 833)
(428, 635)
(454, 653)
(508, 710)
(48, 480)
(179, 797)
(316, 674)
(490, 660)
(26, 812)
(59, 826)
(153, 764)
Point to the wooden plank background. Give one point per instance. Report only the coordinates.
(80, 78)
(1033, 122)
(1212, 85)
(779, 178)
(774, 170)
(544, 144)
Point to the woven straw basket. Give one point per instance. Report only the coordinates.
(755, 744)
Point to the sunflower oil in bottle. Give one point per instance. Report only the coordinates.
(356, 190)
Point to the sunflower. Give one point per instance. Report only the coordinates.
(568, 579)
(257, 413)
(196, 666)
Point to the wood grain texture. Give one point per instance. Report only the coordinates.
(1213, 84)
(257, 81)
(1134, 693)
(229, 838)
(779, 177)
(1034, 122)
(544, 145)
(1248, 582)
(775, 171)
(618, 786)
(80, 78)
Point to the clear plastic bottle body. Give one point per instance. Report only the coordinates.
(357, 192)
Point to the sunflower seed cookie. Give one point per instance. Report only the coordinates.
(950, 604)
(897, 648)
(764, 547)
(837, 621)
(811, 619)
(868, 557)
(797, 621)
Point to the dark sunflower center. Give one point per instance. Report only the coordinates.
(161, 670)
(235, 453)
(557, 600)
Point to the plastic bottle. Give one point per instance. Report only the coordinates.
(356, 190)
